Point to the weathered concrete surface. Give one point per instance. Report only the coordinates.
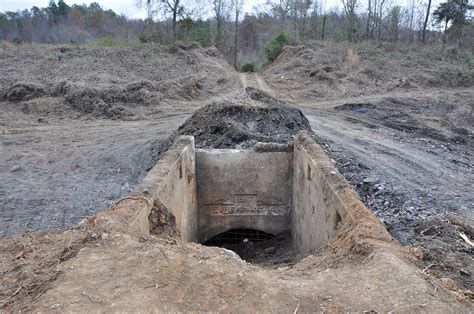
(322, 198)
(172, 182)
(212, 191)
(243, 189)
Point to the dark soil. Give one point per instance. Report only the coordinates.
(431, 220)
(438, 120)
(253, 117)
(445, 254)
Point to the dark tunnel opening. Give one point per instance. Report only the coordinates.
(236, 236)
(256, 246)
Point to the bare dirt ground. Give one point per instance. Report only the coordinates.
(406, 148)
(64, 154)
(55, 175)
(420, 187)
(71, 145)
(90, 269)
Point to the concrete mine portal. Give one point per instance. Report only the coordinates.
(238, 189)
(219, 194)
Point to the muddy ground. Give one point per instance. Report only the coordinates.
(79, 128)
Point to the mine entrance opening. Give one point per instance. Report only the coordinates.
(256, 246)
(236, 236)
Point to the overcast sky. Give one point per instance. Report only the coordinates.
(129, 8)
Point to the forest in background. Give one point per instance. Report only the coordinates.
(242, 37)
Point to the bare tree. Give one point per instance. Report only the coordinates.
(380, 19)
(412, 14)
(281, 8)
(393, 21)
(301, 8)
(154, 6)
(175, 8)
(219, 8)
(369, 16)
(314, 19)
(349, 8)
(323, 31)
(237, 5)
(423, 37)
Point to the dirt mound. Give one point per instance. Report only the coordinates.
(254, 117)
(327, 70)
(91, 101)
(24, 91)
(112, 83)
(24, 278)
(184, 45)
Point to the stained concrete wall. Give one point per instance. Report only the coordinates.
(243, 189)
(321, 196)
(172, 181)
(212, 191)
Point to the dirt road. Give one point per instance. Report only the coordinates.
(256, 81)
(411, 163)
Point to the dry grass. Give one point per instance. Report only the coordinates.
(6, 44)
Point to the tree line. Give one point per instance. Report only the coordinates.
(242, 36)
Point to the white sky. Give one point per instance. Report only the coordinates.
(129, 8)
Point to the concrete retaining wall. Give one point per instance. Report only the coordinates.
(321, 198)
(172, 181)
(243, 189)
(212, 191)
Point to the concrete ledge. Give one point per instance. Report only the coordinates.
(323, 199)
(172, 183)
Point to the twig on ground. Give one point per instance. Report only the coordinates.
(92, 298)
(156, 286)
(136, 198)
(297, 307)
(243, 295)
(466, 239)
(406, 307)
(429, 228)
(2, 303)
(426, 268)
(368, 257)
